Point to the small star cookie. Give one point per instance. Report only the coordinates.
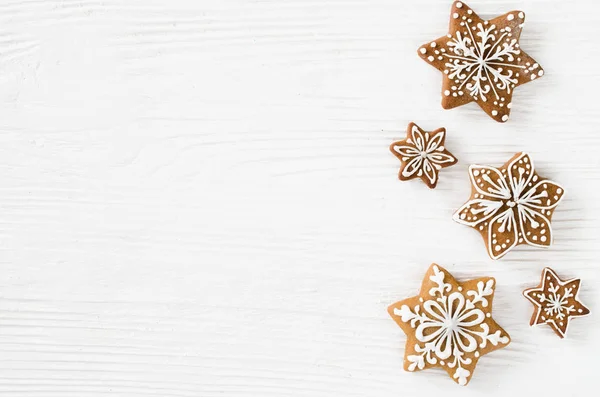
(422, 155)
(556, 302)
(449, 324)
(481, 61)
(510, 205)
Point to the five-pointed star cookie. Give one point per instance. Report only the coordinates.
(422, 154)
(510, 205)
(481, 60)
(556, 302)
(449, 324)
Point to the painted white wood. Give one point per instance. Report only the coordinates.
(197, 197)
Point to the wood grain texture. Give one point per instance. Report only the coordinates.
(197, 197)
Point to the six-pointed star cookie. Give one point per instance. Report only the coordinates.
(510, 205)
(481, 60)
(422, 154)
(449, 324)
(556, 302)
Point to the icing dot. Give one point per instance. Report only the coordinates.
(460, 288)
(521, 15)
(505, 117)
(559, 190)
(455, 15)
(543, 238)
(579, 310)
(541, 73)
(488, 315)
(423, 51)
(509, 105)
(510, 17)
(463, 216)
(533, 76)
(459, 5)
(433, 44)
(494, 112)
(447, 93)
(497, 248)
(431, 58)
(476, 354)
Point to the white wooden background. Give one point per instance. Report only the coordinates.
(197, 197)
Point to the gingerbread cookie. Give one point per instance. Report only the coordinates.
(556, 302)
(449, 324)
(481, 60)
(510, 205)
(422, 155)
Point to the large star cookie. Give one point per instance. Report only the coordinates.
(510, 205)
(449, 324)
(556, 302)
(481, 60)
(422, 155)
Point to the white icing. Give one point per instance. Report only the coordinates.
(424, 153)
(450, 327)
(423, 51)
(511, 203)
(556, 301)
(483, 59)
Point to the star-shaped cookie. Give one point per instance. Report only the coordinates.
(422, 155)
(510, 205)
(556, 302)
(481, 60)
(449, 324)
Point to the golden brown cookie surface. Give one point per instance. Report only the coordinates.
(449, 324)
(510, 205)
(422, 154)
(556, 302)
(481, 60)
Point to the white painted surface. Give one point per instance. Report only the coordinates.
(197, 197)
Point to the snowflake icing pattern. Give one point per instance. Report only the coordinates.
(556, 302)
(481, 60)
(451, 323)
